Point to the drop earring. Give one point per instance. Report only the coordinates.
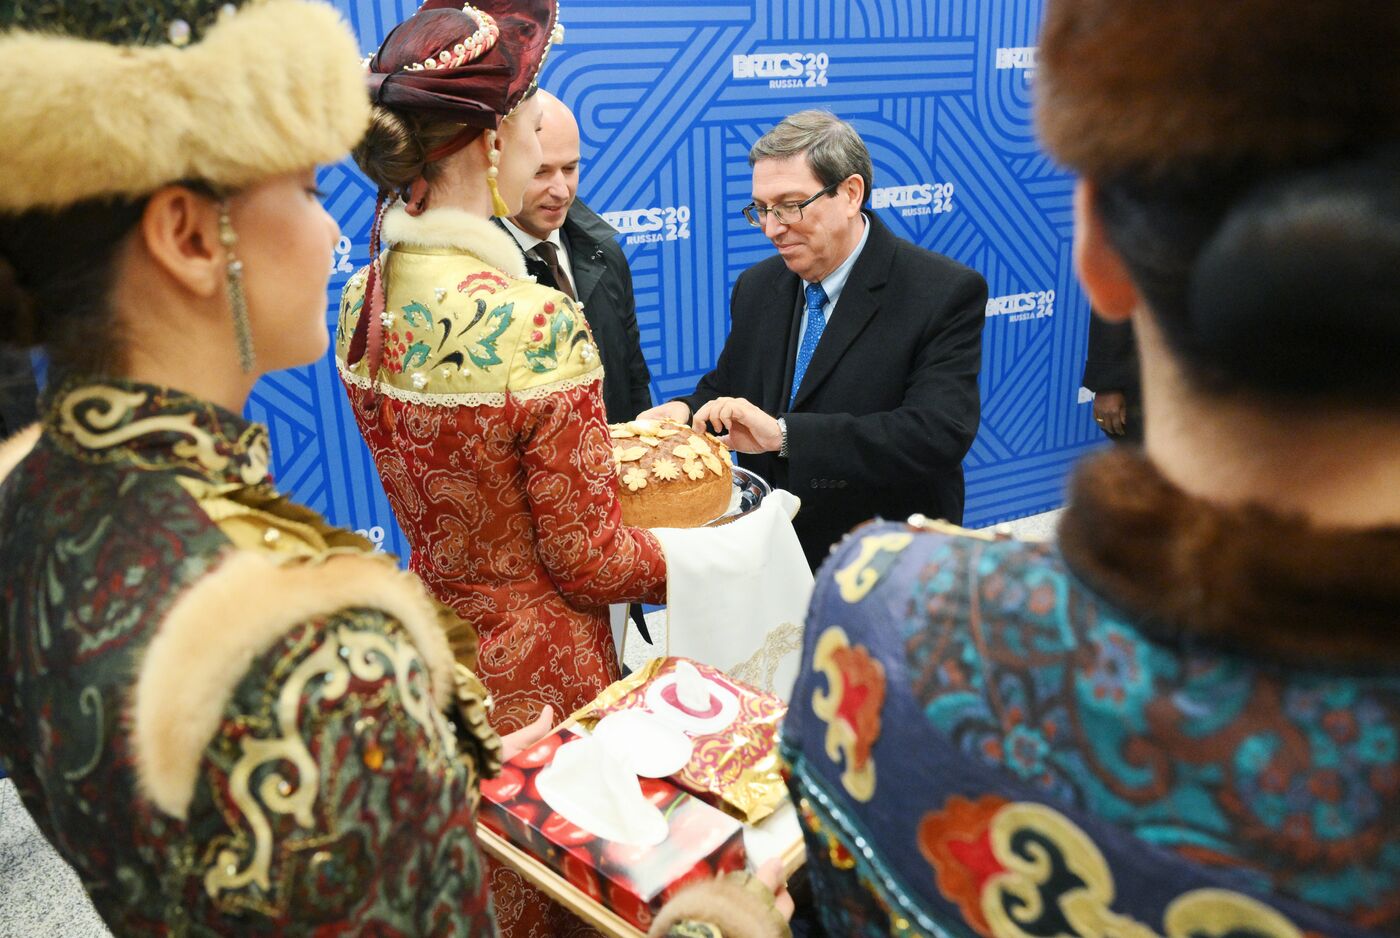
(233, 274)
(499, 208)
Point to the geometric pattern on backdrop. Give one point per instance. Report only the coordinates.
(670, 96)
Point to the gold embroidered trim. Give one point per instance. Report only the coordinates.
(200, 445)
(1021, 891)
(877, 555)
(367, 656)
(251, 527)
(842, 739)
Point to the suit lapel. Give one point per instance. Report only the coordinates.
(586, 260)
(586, 233)
(860, 301)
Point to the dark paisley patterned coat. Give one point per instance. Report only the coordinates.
(225, 714)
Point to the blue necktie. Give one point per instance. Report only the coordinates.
(816, 322)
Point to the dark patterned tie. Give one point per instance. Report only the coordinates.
(816, 324)
(550, 255)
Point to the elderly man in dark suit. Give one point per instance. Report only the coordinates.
(850, 373)
(568, 246)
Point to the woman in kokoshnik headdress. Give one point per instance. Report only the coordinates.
(478, 390)
(223, 712)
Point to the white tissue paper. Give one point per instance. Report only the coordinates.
(593, 781)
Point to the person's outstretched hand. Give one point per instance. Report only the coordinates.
(771, 875)
(522, 739)
(671, 410)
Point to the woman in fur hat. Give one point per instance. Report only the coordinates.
(224, 713)
(1184, 717)
(479, 391)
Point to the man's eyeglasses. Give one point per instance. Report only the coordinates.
(787, 213)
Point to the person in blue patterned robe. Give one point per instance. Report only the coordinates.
(1182, 717)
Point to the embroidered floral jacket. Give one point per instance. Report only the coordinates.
(225, 714)
(1179, 720)
(486, 424)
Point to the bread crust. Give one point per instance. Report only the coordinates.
(670, 476)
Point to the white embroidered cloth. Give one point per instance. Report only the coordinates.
(736, 595)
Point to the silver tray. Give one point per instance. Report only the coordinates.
(749, 491)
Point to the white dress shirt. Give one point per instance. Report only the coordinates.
(833, 283)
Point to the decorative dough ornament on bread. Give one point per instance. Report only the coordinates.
(670, 476)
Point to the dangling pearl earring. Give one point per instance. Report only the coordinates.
(233, 275)
(499, 208)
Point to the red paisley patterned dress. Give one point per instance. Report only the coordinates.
(486, 423)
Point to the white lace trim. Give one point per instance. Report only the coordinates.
(555, 387)
(474, 399)
(467, 399)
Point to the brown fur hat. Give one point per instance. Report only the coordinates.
(1147, 86)
(102, 101)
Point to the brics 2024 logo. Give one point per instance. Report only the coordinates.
(1020, 307)
(784, 69)
(1019, 58)
(644, 225)
(926, 198)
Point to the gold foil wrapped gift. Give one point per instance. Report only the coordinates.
(734, 728)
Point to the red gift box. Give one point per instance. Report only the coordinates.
(634, 882)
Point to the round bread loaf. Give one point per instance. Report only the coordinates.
(669, 475)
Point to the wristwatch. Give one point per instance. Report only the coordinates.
(782, 447)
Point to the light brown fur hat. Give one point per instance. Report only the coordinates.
(1150, 86)
(274, 88)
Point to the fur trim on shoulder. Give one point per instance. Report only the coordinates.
(1244, 579)
(16, 448)
(272, 89)
(737, 905)
(458, 229)
(224, 621)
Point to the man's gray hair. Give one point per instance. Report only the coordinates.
(833, 148)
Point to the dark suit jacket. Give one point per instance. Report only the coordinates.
(18, 392)
(1112, 365)
(889, 404)
(1112, 362)
(603, 282)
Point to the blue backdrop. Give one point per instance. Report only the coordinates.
(670, 95)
